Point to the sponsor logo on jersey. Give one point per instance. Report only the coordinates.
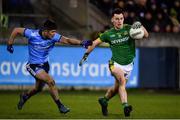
(124, 39)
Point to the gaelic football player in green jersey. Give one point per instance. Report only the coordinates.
(121, 63)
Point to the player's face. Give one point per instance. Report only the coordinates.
(50, 34)
(118, 21)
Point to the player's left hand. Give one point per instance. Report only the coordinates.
(10, 48)
(84, 59)
(86, 43)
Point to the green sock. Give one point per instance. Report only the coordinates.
(125, 104)
(106, 98)
(104, 101)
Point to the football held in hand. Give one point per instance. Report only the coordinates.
(136, 33)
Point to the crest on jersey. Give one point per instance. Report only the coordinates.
(113, 35)
(125, 33)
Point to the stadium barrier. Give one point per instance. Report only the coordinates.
(159, 67)
(64, 67)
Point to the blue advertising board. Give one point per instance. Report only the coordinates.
(64, 67)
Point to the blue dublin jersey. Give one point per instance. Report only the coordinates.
(39, 47)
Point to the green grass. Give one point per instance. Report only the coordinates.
(84, 104)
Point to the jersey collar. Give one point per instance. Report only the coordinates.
(40, 33)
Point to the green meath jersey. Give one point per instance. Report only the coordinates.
(121, 44)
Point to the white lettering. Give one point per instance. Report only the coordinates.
(5, 68)
(104, 70)
(24, 71)
(116, 41)
(75, 70)
(93, 70)
(85, 66)
(16, 67)
(65, 68)
(55, 67)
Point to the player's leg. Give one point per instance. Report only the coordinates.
(119, 75)
(38, 88)
(111, 92)
(42, 75)
(25, 96)
(103, 101)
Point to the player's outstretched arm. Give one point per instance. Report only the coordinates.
(71, 41)
(137, 25)
(15, 32)
(146, 34)
(89, 50)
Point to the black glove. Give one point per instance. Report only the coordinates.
(83, 59)
(136, 25)
(86, 43)
(10, 48)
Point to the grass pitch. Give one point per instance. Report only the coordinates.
(84, 105)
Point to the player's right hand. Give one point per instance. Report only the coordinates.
(86, 43)
(84, 59)
(10, 48)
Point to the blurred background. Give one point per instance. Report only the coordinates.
(156, 68)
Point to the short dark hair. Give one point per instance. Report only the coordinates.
(117, 11)
(49, 25)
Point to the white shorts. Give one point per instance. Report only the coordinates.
(126, 69)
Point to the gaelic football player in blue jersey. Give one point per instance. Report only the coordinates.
(40, 43)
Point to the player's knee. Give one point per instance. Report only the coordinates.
(123, 81)
(51, 83)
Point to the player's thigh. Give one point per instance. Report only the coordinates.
(43, 76)
(118, 73)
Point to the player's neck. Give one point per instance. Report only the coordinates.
(116, 28)
(42, 34)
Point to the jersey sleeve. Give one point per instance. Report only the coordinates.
(103, 37)
(57, 37)
(127, 26)
(27, 33)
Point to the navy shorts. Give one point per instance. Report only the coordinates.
(33, 69)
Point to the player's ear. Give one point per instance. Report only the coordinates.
(45, 31)
(112, 19)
